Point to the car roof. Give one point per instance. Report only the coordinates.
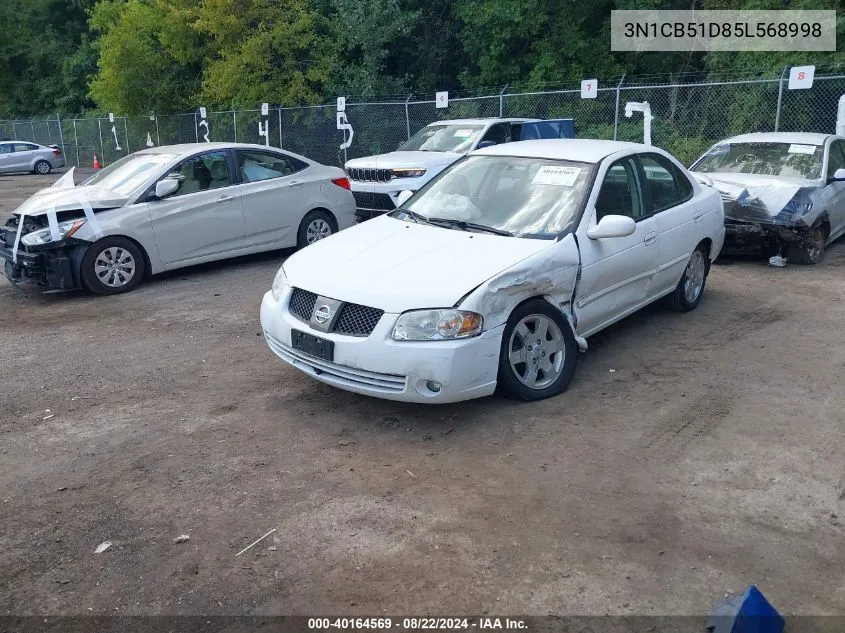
(810, 138)
(581, 150)
(481, 121)
(189, 148)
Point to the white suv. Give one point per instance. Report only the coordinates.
(378, 180)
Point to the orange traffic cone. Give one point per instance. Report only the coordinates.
(96, 164)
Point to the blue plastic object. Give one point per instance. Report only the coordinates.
(748, 612)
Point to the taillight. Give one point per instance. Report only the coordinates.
(342, 182)
(57, 151)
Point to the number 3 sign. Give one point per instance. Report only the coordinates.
(801, 77)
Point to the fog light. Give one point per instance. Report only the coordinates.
(433, 385)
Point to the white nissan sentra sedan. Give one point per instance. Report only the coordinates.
(496, 272)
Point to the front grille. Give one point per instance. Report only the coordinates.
(376, 201)
(301, 303)
(357, 320)
(370, 175)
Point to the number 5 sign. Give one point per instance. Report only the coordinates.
(801, 77)
(588, 88)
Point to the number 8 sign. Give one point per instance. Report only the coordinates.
(801, 77)
(589, 88)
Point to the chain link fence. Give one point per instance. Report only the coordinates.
(690, 114)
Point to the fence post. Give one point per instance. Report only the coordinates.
(780, 98)
(61, 135)
(616, 113)
(502, 101)
(126, 131)
(280, 127)
(407, 116)
(158, 135)
(76, 141)
(235, 124)
(102, 147)
(14, 131)
(32, 127)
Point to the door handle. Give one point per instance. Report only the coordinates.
(650, 238)
(697, 217)
(295, 183)
(225, 198)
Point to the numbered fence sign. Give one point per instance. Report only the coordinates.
(801, 77)
(341, 104)
(589, 88)
(264, 123)
(442, 99)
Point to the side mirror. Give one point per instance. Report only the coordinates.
(484, 144)
(612, 226)
(403, 196)
(839, 174)
(165, 187)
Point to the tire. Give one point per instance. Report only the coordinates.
(112, 266)
(810, 251)
(42, 167)
(690, 288)
(555, 358)
(315, 226)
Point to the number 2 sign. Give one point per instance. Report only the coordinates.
(801, 77)
(588, 88)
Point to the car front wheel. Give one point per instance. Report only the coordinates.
(538, 354)
(112, 266)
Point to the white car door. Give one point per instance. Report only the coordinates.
(616, 273)
(679, 218)
(836, 194)
(275, 191)
(203, 219)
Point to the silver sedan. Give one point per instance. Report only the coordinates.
(168, 207)
(24, 156)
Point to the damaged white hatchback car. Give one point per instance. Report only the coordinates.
(784, 192)
(168, 207)
(496, 271)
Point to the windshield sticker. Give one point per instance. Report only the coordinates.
(555, 175)
(802, 149)
(464, 133)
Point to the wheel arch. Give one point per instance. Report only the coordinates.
(138, 245)
(324, 210)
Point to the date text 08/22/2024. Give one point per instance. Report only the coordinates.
(415, 624)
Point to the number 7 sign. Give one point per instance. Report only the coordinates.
(589, 88)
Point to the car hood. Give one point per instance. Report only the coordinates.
(396, 265)
(756, 197)
(68, 198)
(404, 159)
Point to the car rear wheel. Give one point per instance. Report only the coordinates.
(42, 167)
(538, 354)
(315, 226)
(690, 288)
(811, 249)
(112, 266)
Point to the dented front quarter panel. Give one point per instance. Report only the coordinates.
(551, 274)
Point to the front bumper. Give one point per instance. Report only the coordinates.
(381, 367)
(51, 269)
(757, 238)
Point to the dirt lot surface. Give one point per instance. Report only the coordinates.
(692, 455)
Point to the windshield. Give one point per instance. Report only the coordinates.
(525, 197)
(129, 173)
(788, 160)
(443, 137)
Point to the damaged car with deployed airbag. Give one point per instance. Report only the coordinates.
(496, 271)
(783, 192)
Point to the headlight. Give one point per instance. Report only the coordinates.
(66, 229)
(437, 325)
(408, 172)
(279, 282)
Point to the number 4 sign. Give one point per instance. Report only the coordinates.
(801, 77)
(588, 88)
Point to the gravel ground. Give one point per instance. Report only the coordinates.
(692, 455)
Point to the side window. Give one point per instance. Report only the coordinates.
(24, 147)
(499, 133)
(201, 173)
(664, 184)
(256, 165)
(620, 192)
(836, 159)
(6, 148)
